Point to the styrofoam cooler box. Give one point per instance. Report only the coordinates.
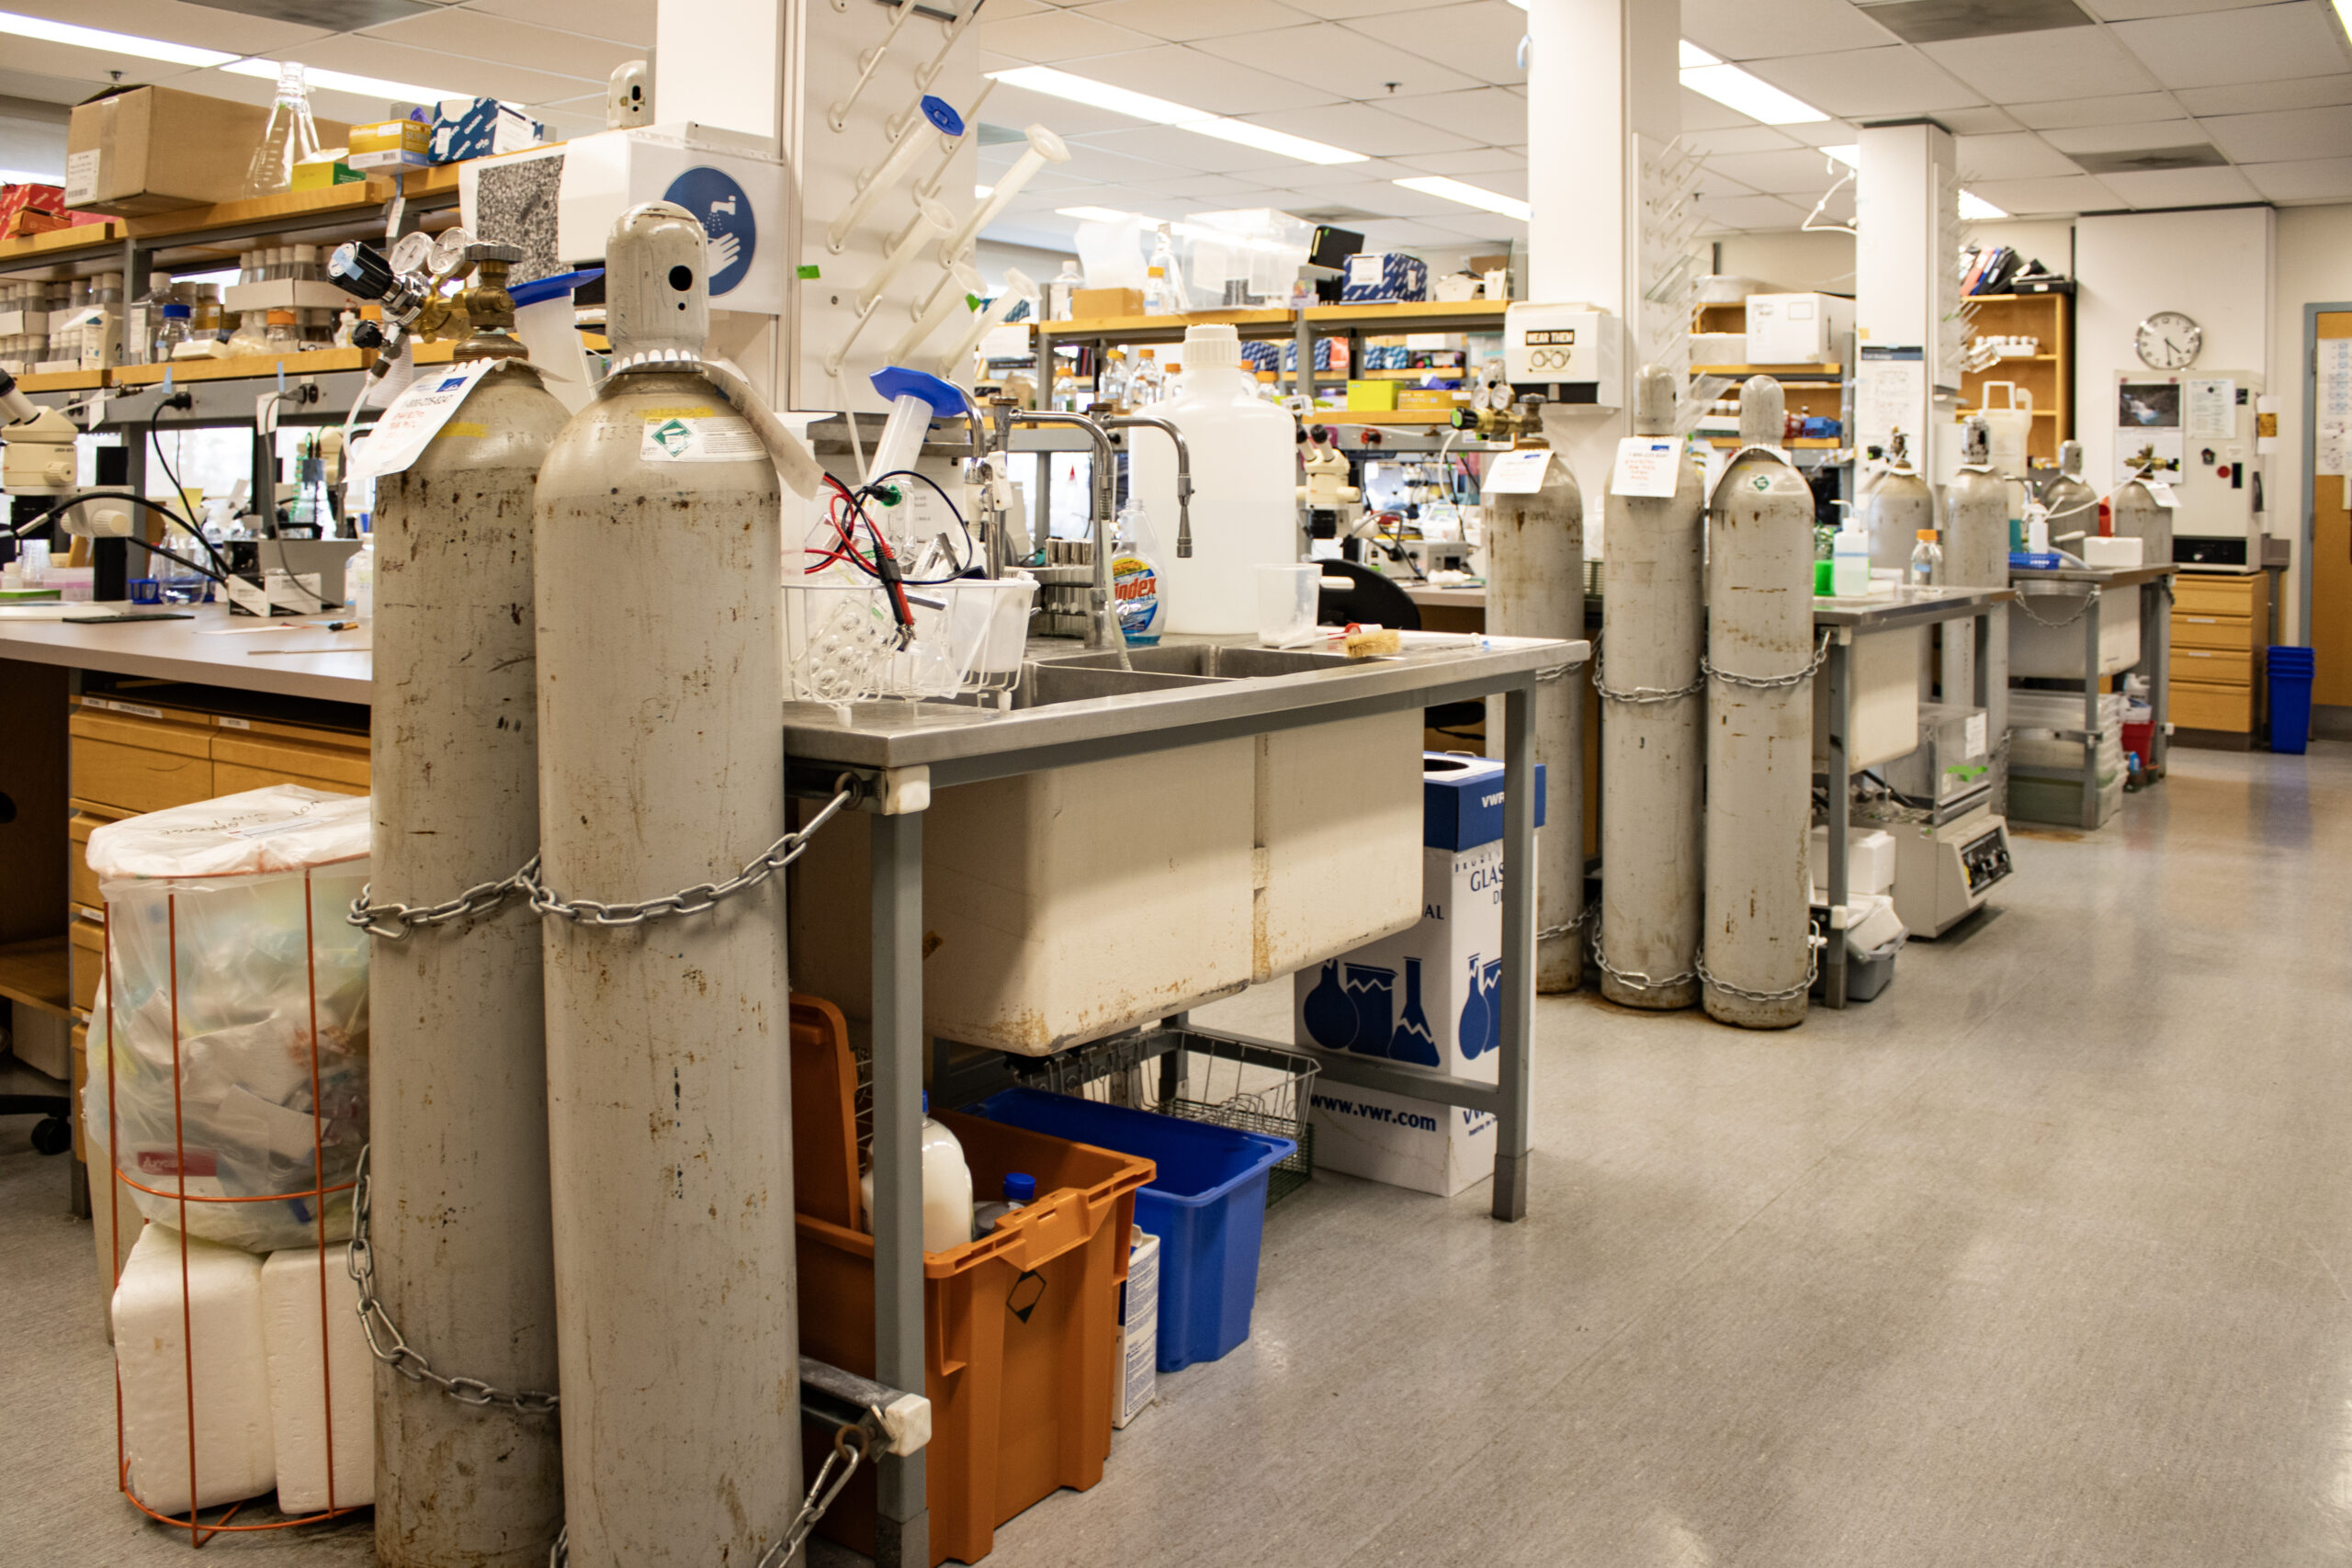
(1870, 861)
(1139, 1331)
(1797, 329)
(2056, 652)
(1430, 996)
(217, 1334)
(318, 1362)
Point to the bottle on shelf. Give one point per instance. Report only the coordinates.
(1927, 568)
(1849, 561)
(1163, 289)
(281, 333)
(1149, 384)
(173, 332)
(1061, 290)
(291, 137)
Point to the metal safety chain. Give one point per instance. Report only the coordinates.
(384, 1340)
(850, 1447)
(394, 921)
(1556, 673)
(1787, 994)
(2025, 603)
(1769, 683)
(1642, 696)
(1586, 917)
(1634, 978)
(702, 895)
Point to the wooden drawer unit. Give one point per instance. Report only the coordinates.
(2214, 666)
(266, 755)
(85, 953)
(2234, 632)
(2198, 593)
(81, 881)
(136, 761)
(2196, 706)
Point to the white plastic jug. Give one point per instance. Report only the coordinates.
(2009, 425)
(1245, 479)
(946, 1188)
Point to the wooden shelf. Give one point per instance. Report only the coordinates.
(1486, 313)
(63, 381)
(34, 972)
(47, 247)
(1776, 371)
(1381, 416)
(286, 206)
(1805, 443)
(1161, 327)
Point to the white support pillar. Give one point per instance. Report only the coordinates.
(1907, 284)
(1600, 73)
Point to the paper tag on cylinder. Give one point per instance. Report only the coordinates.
(1516, 473)
(1646, 466)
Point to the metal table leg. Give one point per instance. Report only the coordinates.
(2155, 660)
(2090, 710)
(902, 1519)
(1838, 668)
(1519, 946)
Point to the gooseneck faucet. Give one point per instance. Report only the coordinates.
(1183, 475)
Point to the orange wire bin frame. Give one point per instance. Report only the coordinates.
(198, 1530)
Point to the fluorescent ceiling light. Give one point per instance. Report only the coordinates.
(344, 82)
(1850, 155)
(113, 43)
(1467, 195)
(1975, 208)
(981, 193)
(1162, 111)
(1694, 55)
(1752, 96)
(1093, 214)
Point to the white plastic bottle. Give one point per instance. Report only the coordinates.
(1020, 1191)
(1244, 484)
(1850, 558)
(1927, 570)
(946, 1188)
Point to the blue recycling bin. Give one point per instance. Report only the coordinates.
(2291, 670)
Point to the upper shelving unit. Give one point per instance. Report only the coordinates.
(1325, 320)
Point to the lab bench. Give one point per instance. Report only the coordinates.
(2151, 587)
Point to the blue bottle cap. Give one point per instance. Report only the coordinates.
(896, 382)
(1020, 1186)
(175, 312)
(941, 116)
(926, 1102)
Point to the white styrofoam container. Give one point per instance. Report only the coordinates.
(218, 1333)
(285, 294)
(1883, 671)
(2056, 652)
(1718, 348)
(1138, 1383)
(1870, 861)
(2116, 552)
(318, 1362)
(1797, 329)
(1449, 964)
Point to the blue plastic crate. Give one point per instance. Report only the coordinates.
(2291, 670)
(1207, 1206)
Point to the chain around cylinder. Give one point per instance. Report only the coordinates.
(850, 1447)
(702, 895)
(1634, 979)
(1786, 994)
(1768, 682)
(394, 921)
(2025, 603)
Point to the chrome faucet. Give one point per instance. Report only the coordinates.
(1103, 623)
(1183, 476)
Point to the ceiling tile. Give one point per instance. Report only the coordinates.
(1340, 60)
(2024, 198)
(1493, 114)
(2020, 155)
(203, 25)
(1180, 21)
(1750, 211)
(1702, 113)
(1476, 161)
(1869, 81)
(2259, 44)
(447, 73)
(2181, 187)
(2303, 179)
(1738, 139)
(2132, 138)
(1742, 30)
(1987, 121)
(1045, 37)
(2126, 10)
(2123, 109)
(1792, 172)
(1342, 10)
(627, 21)
(2045, 65)
(1479, 39)
(1364, 127)
(1204, 82)
(2290, 133)
(42, 88)
(1186, 150)
(497, 38)
(2304, 92)
(1824, 132)
(1715, 182)
(1019, 107)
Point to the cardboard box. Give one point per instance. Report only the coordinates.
(1796, 329)
(325, 172)
(148, 149)
(1430, 996)
(481, 127)
(391, 144)
(1092, 302)
(1375, 278)
(1138, 1383)
(1370, 397)
(1425, 399)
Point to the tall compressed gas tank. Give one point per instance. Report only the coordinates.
(1653, 750)
(658, 527)
(1976, 548)
(1757, 938)
(2073, 505)
(1536, 587)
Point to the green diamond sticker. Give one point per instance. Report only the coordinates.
(672, 435)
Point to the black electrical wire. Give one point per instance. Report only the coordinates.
(34, 523)
(971, 545)
(157, 446)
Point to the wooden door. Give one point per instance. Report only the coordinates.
(2330, 633)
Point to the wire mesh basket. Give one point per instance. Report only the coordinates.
(843, 644)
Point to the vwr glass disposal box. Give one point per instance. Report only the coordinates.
(1431, 996)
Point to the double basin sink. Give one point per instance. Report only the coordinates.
(1081, 677)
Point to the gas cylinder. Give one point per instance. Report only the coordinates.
(1976, 548)
(657, 530)
(1652, 600)
(2140, 515)
(458, 1136)
(1536, 587)
(1901, 505)
(2073, 505)
(1757, 939)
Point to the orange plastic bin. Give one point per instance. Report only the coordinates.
(1019, 1337)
